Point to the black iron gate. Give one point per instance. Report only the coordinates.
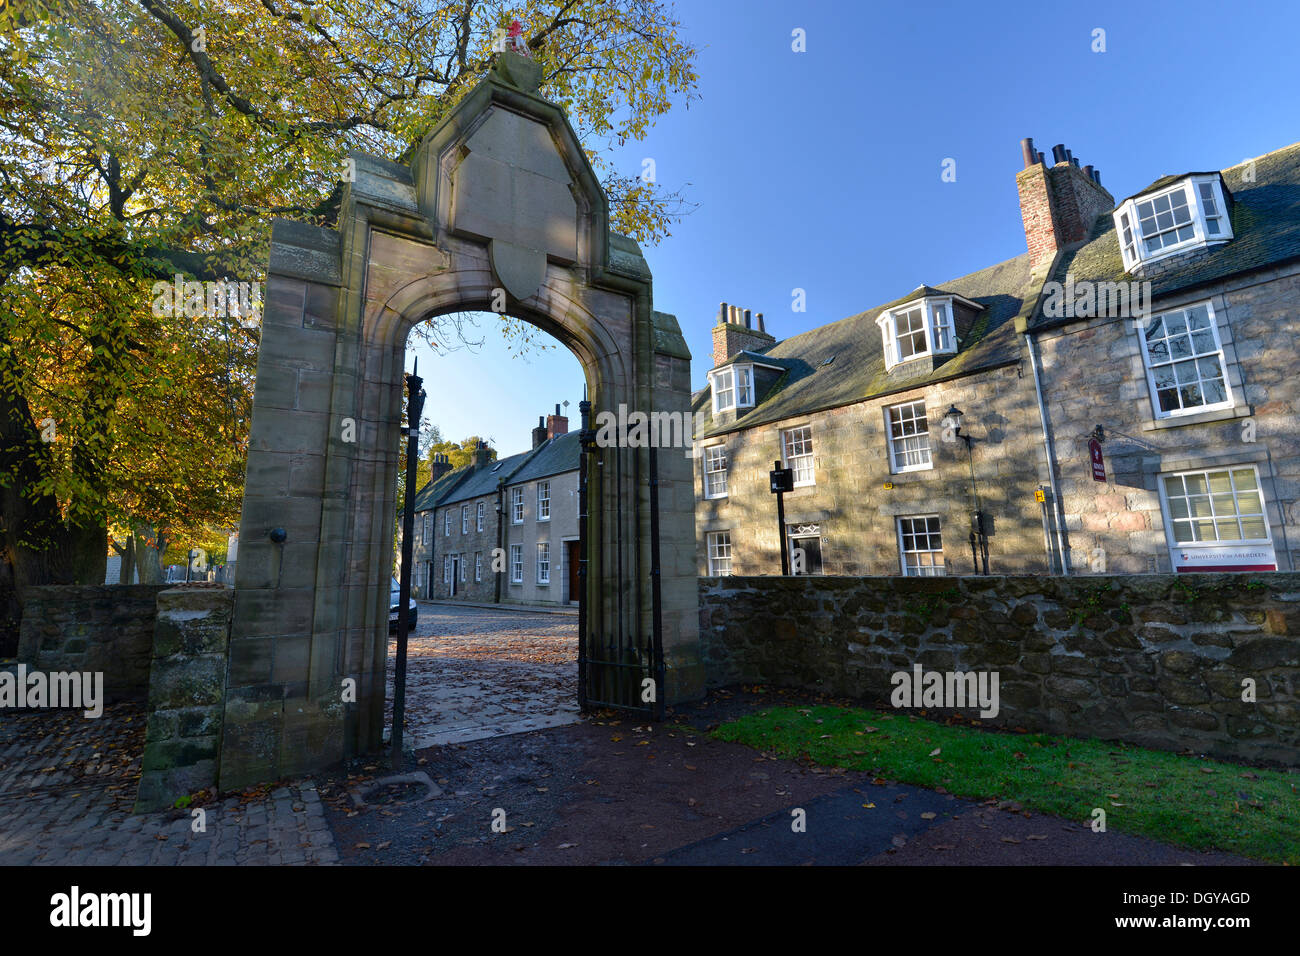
(620, 666)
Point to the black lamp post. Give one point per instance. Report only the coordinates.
(414, 406)
(979, 539)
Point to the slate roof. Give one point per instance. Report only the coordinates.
(552, 457)
(858, 371)
(1265, 227)
(427, 496)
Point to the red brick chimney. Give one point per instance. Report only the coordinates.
(1058, 204)
(482, 454)
(738, 329)
(556, 424)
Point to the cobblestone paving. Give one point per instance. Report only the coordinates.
(474, 673)
(67, 785)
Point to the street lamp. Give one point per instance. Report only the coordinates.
(979, 538)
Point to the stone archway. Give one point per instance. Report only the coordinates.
(499, 198)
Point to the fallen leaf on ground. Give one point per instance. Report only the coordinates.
(928, 816)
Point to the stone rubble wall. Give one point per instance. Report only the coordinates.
(1156, 660)
(94, 628)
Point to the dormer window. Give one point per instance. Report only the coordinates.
(920, 328)
(1188, 215)
(733, 387)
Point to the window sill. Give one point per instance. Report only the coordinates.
(1200, 418)
(902, 472)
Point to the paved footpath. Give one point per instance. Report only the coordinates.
(67, 785)
(476, 672)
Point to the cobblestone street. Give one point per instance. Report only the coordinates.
(67, 785)
(476, 672)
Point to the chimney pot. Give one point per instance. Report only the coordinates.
(1058, 153)
(722, 313)
(1027, 150)
(761, 327)
(749, 317)
(1040, 155)
(1096, 175)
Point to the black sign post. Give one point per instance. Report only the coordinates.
(782, 481)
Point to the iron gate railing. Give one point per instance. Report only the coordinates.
(615, 662)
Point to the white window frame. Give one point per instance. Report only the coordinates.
(543, 562)
(1171, 521)
(1128, 228)
(478, 565)
(918, 569)
(446, 569)
(543, 501)
(516, 505)
(715, 478)
(938, 327)
(718, 549)
(478, 520)
(516, 564)
(426, 536)
(463, 569)
(446, 523)
(791, 461)
(732, 387)
(1218, 352)
(464, 519)
(896, 454)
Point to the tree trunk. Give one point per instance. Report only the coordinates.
(126, 573)
(11, 611)
(150, 545)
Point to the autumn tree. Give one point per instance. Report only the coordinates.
(145, 139)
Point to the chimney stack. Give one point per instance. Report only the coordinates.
(482, 454)
(539, 433)
(556, 424)
(1058, 204)
(439, 464)
(738, 329)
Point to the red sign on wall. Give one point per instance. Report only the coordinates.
(1098, 462)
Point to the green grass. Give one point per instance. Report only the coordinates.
(1189, 801)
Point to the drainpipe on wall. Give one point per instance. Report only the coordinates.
(1049, 448)
(501, 531)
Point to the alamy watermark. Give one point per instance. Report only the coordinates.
(213, 299)
(946, 689)
(60, 689)
(1087, 299)
(636, 429)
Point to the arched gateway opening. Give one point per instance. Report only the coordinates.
(498, 211)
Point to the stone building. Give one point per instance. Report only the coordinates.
(1196, 397)
(517, 514)
(885, 480)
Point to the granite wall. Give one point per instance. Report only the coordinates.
(96, 628)
(1157, 660)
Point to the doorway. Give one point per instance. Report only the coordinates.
(572, 553)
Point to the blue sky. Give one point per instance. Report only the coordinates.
(822, 170)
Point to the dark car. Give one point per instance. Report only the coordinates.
(394, 605)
